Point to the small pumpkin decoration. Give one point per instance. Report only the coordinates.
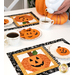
(40, 7)
(6, 21)
(23, 18)
(29, 33)
(58, 18)
(62, 51)
(36, 62)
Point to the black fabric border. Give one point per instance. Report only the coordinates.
(18, 70)
(21, 26)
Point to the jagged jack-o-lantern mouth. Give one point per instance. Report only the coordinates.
(36, 62)
(39, 65)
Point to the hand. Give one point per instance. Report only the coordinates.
(64, 7)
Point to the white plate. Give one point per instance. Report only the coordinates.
(32, 28)
(10, 21)
(53, 48)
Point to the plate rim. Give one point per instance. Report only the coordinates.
(62, 57)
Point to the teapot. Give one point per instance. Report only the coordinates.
(53, 5)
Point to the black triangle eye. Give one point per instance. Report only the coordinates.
(37, 58)
(36, 62)
(31, 60)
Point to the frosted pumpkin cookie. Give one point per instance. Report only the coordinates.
(29, 33)
(8, 21)
(60, 50)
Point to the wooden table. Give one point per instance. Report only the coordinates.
(55, 32)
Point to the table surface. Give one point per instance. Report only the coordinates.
(55, 32)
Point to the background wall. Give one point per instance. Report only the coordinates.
(19, 5)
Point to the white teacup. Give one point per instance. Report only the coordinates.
(12, 37)
(46, 22)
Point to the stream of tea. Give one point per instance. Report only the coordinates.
(45, 17)
(45, 14)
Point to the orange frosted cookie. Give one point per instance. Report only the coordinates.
(29, 33)
(6, 21)
(62, 51)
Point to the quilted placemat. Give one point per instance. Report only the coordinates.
(35, 60)
(23, 20)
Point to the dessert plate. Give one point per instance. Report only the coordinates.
(10, 21)
(31, 33)
(54, 47)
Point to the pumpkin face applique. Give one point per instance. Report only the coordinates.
(36, 62)
(6, 21)
(62, 51)
(23, 18)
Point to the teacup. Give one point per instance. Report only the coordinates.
(46, 22)
(12, 37)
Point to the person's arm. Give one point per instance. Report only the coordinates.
(64, 7)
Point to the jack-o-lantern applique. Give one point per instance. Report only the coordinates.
(36, 62)
(23, 18)
(29, 33)
(6, 21)
(62, 51)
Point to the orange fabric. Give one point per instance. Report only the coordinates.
(27, 64)
(23, 18)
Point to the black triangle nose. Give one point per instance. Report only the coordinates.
(36, 62)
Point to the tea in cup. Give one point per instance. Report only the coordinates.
(46, 22)
(13, 37)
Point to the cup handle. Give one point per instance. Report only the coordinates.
(52, 22)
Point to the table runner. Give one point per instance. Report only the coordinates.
(17, 68)
(17, 24)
